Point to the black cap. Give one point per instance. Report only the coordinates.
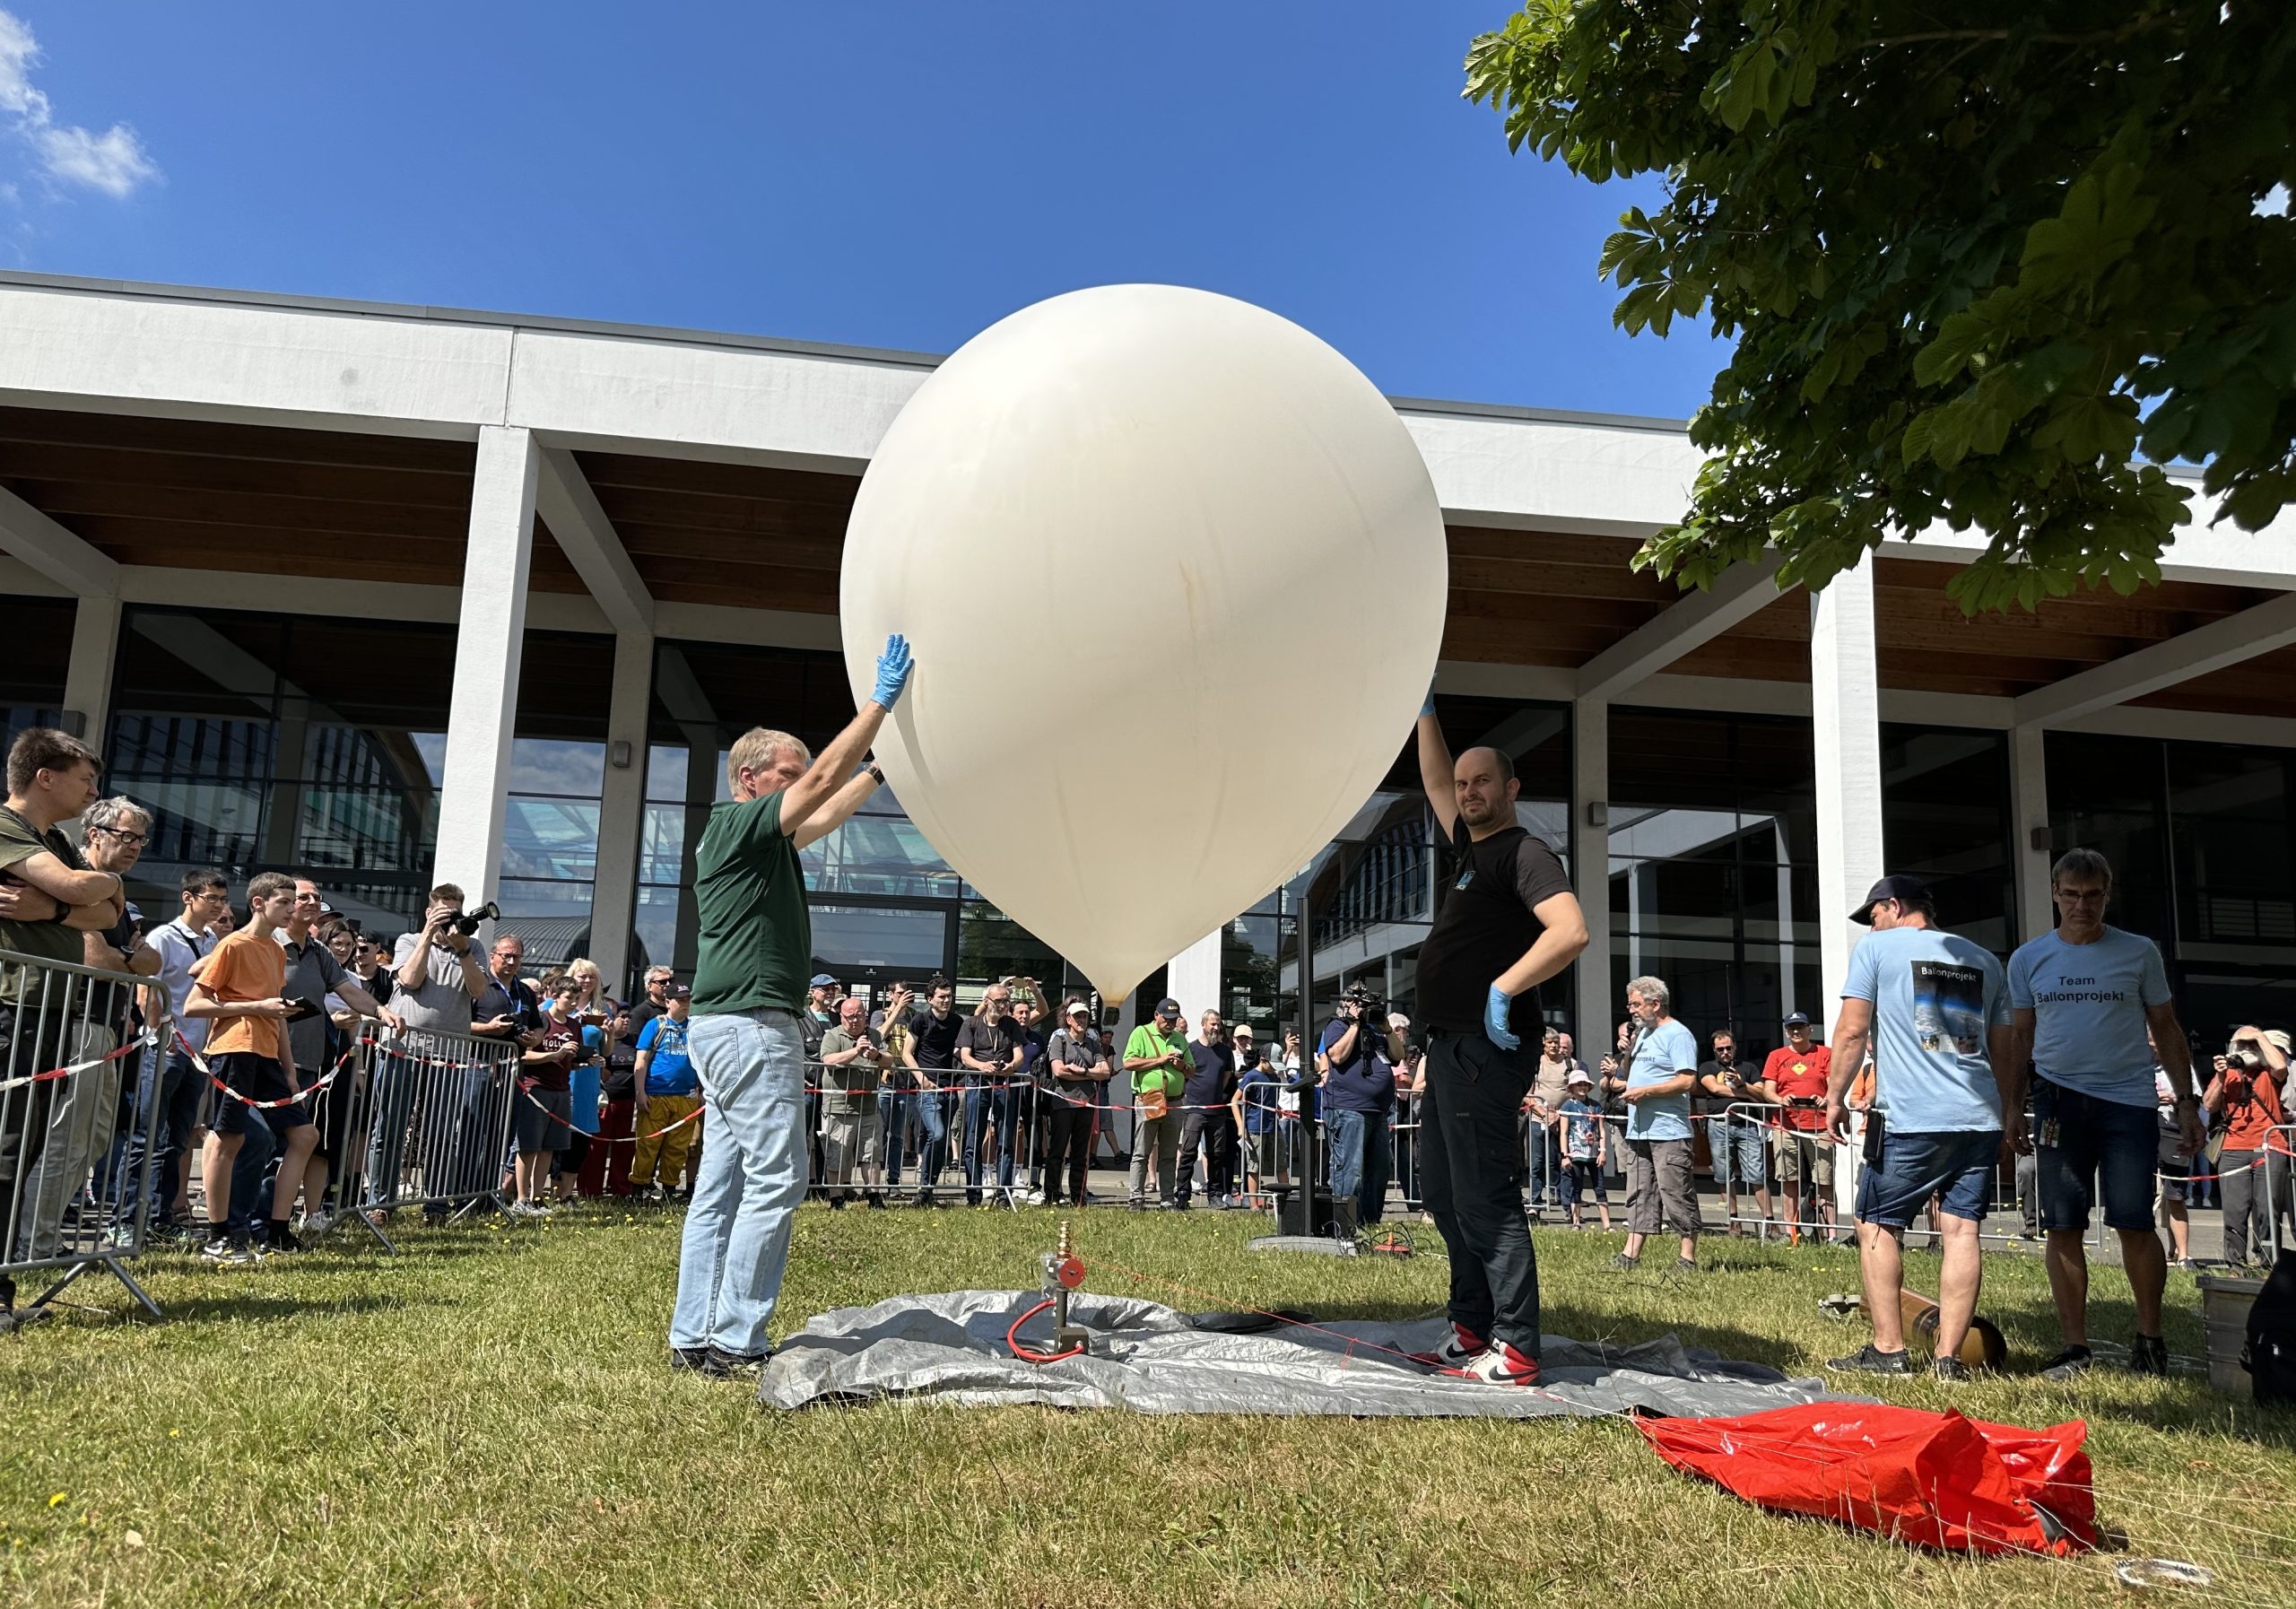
(1168, 1007)
(1898, 886)
(1800, 1018)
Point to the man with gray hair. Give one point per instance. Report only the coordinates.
(2080, 999)
(755, 953)
(112, 835)
(1661, 1072)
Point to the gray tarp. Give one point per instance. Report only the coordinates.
(1153, 1360)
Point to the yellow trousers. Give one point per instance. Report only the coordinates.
(656, 1149)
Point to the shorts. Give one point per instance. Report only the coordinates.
(258, 1078)
(1737, 1153)
(2176, 1178)
(1804, 1155)
(542, 1119)
(1264, 1153)
(2080, 1142)
(1956, 1166)
(1659, 1189)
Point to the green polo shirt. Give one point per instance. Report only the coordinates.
(749, 898)
(1148, 1039)
(48, 941)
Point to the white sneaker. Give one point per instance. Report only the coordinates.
(1504, 1366)
(1458, 1350)
(316, 1224)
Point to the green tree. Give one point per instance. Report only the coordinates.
(1989, 263)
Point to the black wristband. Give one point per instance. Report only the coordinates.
(875, 775)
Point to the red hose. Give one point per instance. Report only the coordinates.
(1013, 1339)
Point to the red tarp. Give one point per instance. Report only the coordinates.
(1932, 1480)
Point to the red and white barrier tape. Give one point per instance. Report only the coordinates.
(305, 1094)
(630, 1139)
(21, 1080)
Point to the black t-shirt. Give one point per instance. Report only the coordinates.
(1212, 1079)
(991, 1042)
(1484, 926)
(932, 1040)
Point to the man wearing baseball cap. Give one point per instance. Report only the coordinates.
(1794, 1078)
(1935, 1006)
(1157, 1058)
(1078, 1069)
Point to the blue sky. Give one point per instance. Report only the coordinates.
(882, 175)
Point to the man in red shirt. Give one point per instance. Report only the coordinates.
(1795, 1078)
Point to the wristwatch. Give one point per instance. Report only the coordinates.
(875, 775)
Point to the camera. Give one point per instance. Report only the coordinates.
(468, 922)
(1370, 1008)
(2243, 1057)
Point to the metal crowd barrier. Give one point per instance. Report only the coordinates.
(69, 1200)
(420, 1118)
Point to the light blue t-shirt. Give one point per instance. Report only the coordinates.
(1662, 1053)
(1934, 996)
(2088, 1002)
(671, 1072)
(1582, 1130)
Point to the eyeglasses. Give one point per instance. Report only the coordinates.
(126, 837)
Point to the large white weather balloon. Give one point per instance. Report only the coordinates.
(1174, 574)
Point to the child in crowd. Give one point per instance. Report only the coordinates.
(544, 1112)
(1585, 1148)
(668, 1093)
(236, 988)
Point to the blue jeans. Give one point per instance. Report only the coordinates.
(736, 1246)
(169, 1080)
(250, 1182)
(1361, 1145)
(2086, 1148)
(989, 1103)
(932, 1117)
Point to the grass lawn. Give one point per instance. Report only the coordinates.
(486, 1419)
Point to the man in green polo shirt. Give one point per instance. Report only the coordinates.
(1157, 1058)
(749, 983)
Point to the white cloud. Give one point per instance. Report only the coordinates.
(113, 161)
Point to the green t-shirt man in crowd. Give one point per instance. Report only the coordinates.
(1157, 1058)
(755, 953)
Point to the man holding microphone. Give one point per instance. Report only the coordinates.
(754, 956)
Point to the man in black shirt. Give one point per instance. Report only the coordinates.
(1508, 923)
(993, 1049)
(930, 1056)
(1206, 1121)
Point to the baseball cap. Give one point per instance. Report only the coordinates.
(1243, 1030)
(823, 981)
(1078, 1006)
(678, 991)
(1898, 886)
(1800, 1018)
(1168, 1007)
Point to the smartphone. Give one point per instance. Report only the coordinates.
(297, 1010)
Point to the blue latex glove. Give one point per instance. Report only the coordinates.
(892, 672)
(1428, 707)
(1494, 1020)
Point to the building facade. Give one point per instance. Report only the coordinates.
(393, 595)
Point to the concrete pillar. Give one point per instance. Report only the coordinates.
(1590, 874)
(483, 712)
(87, 675)
(1192, 979)
(621, 808)
(1845, 708)
(2029, 848)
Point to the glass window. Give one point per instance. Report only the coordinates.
(39, 634)
(1945, 819)
(1713, 868)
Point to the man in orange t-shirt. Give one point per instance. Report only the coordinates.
(237, 989)
(1794, 1077)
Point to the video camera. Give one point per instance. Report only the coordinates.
(468, 922)
(1370, 1009)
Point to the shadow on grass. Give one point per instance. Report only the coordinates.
(229, 1305)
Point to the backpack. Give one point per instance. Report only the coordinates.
(2270, 1355)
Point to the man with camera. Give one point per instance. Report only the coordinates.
(2080, 999)
(1793, 1079)
(2248, 1089)
(436, 974)
(1735, 1136)
(1507, 923)
(1359, 1049)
